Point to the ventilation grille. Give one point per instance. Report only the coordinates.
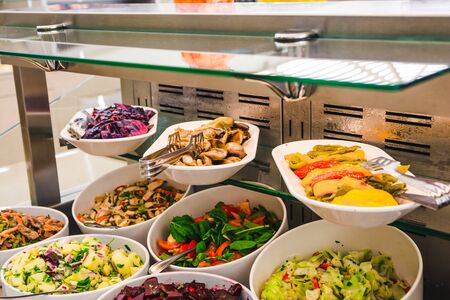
(407, 147)
(260, 122)
(171, 109)
(203, 114)
(253, 99)
(341, 135)
(344, 111)
(209, 94)
(170, 89)
(409, 119)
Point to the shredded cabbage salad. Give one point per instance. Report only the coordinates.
(329, 275)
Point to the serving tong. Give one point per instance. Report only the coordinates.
(156, 162)
(438, 192)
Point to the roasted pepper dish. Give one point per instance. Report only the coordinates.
(132, 204)
(223, 144)
(333, 173)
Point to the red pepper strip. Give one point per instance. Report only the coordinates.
(185, 247)
(321, 164)
(222, 247)
(285, 276)
(199, 219)
(316, 284)
(166, 246)
(325, 265)
(337, 175)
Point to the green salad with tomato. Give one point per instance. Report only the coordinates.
(226, 233)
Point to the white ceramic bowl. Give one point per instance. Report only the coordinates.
(210, 280)
(125, 175)
(304, 240)
(205, 175)
(37, 211)
(115, 242)
(110, 147)
(199, 203)
(340, 214)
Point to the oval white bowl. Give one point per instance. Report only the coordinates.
(116, 242)
(304, 240)
(108, 182)
(37, 211)
(205, 175)
(110, 147)
(365, 217)
(210, 280)
(199, 203)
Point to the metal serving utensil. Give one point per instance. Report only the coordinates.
(41, 294)
(439, 192)
(164, 264)
(152, 167)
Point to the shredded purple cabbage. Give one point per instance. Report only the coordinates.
(118, 121)
(152, 289)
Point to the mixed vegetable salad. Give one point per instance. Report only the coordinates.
(223, 234)
(152, 289)
(19, 229)
(358, 275)
(132, 204)
(333, 173)
(71, 265)
(116, 121)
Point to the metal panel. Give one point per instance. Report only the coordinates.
(35, 122)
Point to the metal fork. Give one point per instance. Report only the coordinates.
(439, 192)
(155, 166)
(174, 143)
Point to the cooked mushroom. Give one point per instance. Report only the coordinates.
(188, 160)
(156, 183)
(231, 159)
(241, 126)
(206, 161)
(237, 136)
(235, 149)
(216, 153)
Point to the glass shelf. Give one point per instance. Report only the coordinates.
(355, 63)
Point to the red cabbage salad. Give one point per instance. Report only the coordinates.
(152, 289)
(116, 121)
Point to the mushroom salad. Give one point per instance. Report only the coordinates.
(132, 204)
(223, 144)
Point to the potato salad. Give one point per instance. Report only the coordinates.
(71, 265)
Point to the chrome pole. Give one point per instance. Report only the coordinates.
(37, 136)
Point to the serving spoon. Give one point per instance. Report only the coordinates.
(162, 265)
(40, 294)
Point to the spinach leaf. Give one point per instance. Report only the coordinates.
(182, 229)
(229, 228)
(203, 227)
(242, 245)
(264, 237)
(218, 215)
(201, 247)
(199, 258)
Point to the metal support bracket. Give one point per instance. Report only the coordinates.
(287, 91)
(50, 33)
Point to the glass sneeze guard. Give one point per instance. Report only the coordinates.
(255, 57)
